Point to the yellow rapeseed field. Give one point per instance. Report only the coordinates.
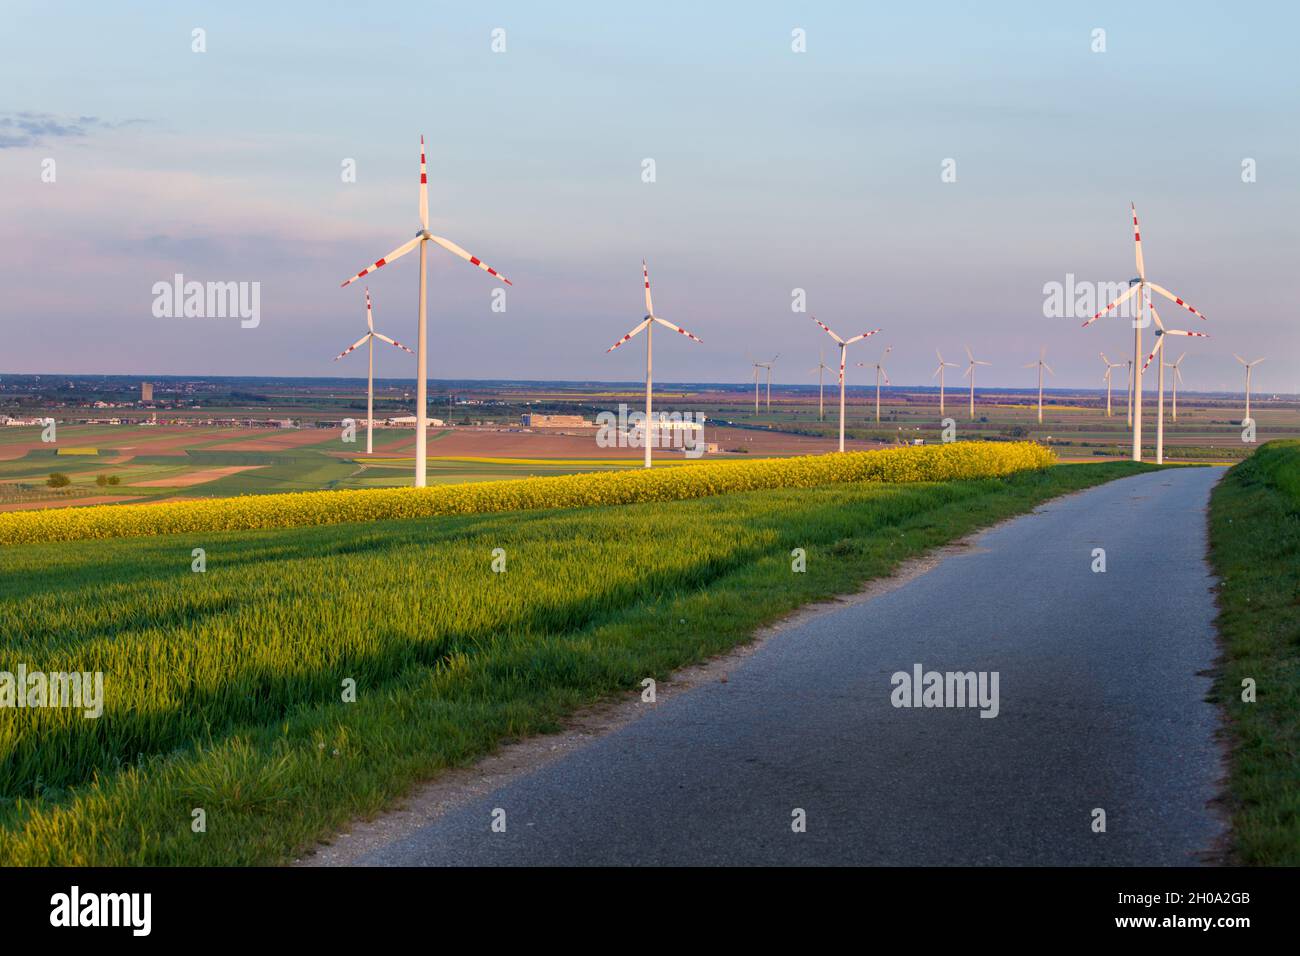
(924, 463)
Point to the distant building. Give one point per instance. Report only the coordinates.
(146, 391)
(529, 420)
(408, 421)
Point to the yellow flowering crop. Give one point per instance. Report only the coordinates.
(250, 512)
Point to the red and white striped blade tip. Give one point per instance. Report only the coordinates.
(681, 331)
(1137, 241)
(1122, 299)
(385, 260)
(1176, 300)
(645, 277)
(826, 328)
(468, 257)
(629, 336)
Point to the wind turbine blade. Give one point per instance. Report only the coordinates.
(969, 368)
(1154, 314)
(935, 373)
(1118, 302)
(424, 188)
(827, 330)
(1195, 335)
(1174, 299)
(397, 253)
(1104, 359)
(640, 326)
(884, 375)
(1049, 369)
(1137, 242)
(969, 354)
(370, 319)
(1159, 345)
(864, 335)
(472, 260)
(681, 331)
(940, 354)
(977, 362)
(1030, 365)
(1240, 359)
(380, 335)
(645, 275)
(353, 347)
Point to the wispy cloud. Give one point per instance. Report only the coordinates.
(34, 129)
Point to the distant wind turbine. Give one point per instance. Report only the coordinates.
(1041, 364)
(1249, 366)
(422, 237)
(970, 370)
(843, 344)
(647, 324)
(1178, 380)
(939, 372)
(880, 373)
(821, 369)
(1110, 367)
(767, 365)
(369, 340)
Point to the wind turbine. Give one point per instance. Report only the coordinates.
(970, 370)
(369, 340)
(648, 325)
(939, 372)
(767, 365)
(422, 237)
(1161, 332)
(1178, 380)
(1041, 364)
(821, 368)
(880, 371)
(1249, 366)
(1110, 367)
(843, 344)
(1139, 286)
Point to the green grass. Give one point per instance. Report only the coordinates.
(223, 689)
(1255, 549)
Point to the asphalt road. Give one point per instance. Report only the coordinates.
(1101, 704)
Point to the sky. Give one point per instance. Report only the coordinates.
(774, 171)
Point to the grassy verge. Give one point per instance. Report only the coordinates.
(223, 689)
(1255, 549)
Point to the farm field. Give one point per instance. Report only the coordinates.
(485, 442)
(224, 689)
